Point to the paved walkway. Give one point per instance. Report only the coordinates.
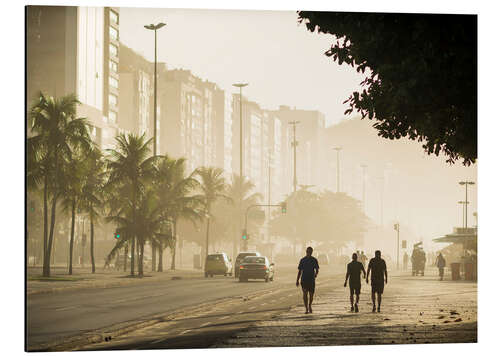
(82, 278)
(414, 310)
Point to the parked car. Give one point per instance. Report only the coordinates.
(256, 267)
(218, 264)
(240, 258)
(323, 259)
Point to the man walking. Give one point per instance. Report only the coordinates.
(363, 258)
(354, 270)
(378, 269)
(440, 263)
(308, 271)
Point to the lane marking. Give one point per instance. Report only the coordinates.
(184, 332)
(67, 308)
(205, 324)
(223, 317)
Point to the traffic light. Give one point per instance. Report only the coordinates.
(32, 206)
(283, 207)
(244, 235)
(117, 234)
(403, 244)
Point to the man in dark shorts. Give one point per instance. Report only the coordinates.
(354, 270)
(378, 269)
(308, 271)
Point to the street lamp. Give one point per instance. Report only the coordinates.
(154, 28)
(240, 86)
(338, 148)
(463, 203)
(466, 183)
(294, 144)
(155, 124)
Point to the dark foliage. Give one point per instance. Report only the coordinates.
(421, 75)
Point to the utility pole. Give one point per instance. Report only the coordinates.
(294, 144)
(466, 183)
(363, 166)
(396, 228)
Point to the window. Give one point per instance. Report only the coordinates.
(113, 17)
(113, 100)
(113, 33)
(113, 66)
(113, 82)
(112, 116)
(113, 50)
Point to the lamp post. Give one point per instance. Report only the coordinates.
(154, 28)
(338, 148)
(463, 203)
(155, 124)
(466, 183)
(240, 86)
(294, 144)
(396, 228)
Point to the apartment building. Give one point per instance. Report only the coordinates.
(75, 50)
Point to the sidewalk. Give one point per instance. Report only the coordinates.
(82, 278)
(414, 310)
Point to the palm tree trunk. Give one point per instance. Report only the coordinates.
(172, 266)
(206, 244)
(141, 259)
(132, 257)
(160, 256)
(45, 220)
(92, 259)
(46, 263)
(153, 256)
(72, 239)
(125, 258)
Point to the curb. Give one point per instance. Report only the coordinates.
(113, 283)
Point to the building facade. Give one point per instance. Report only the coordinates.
(75, 50)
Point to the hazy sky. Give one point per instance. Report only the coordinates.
(282, 61)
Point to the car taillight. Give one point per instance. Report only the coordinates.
(264, 267)
(242, 267)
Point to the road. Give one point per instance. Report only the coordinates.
(221, 312)
(58, 317)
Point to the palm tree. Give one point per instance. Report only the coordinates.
(72, 191)
(55, 133)
(212, 187)
(241, 192)
(130, 170)
(174, 189)
(92, 195)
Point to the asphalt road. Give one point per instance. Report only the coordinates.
(57, 317)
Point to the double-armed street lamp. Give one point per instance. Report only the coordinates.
(466, 183)
(155, 28)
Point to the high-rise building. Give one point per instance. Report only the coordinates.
(75, 50)
(190, 108)
(136, 93)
